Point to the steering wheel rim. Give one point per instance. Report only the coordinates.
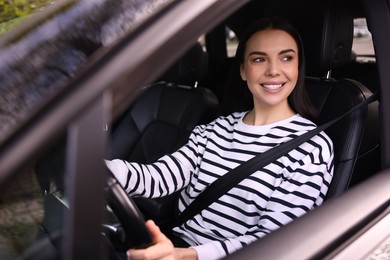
(128, 214)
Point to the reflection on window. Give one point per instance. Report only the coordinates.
(32, 207)
(14, 12)
(21, 213)
(202, 41)
(231, 42)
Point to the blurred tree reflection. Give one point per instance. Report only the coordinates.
(14, 11)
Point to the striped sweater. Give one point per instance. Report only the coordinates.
(266, 200)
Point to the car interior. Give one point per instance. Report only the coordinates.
(355, 137)
(191, 92)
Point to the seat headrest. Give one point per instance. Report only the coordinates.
(337, 39)
(191, 67)
(328, 46)
(327, 38)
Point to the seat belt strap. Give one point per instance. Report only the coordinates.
(226, 182)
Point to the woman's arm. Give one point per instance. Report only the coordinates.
(167, 175)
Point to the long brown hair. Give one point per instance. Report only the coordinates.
(239, 98)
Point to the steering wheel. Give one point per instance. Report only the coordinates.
(128, 214)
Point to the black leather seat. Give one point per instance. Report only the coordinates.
(355, 138)
(355, 145)
(161, 121)
(162, 118)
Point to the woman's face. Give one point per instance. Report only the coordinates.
(270, 68)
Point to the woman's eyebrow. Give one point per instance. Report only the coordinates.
(286, 51)
(264, 53)
(257, 53)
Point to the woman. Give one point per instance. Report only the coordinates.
(271, 62)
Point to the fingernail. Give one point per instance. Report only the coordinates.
(128, 253)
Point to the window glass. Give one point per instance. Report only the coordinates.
(32, 206)
(21, 214)
(14, 12)
(362, 42)
(38, 60)
(40, 56)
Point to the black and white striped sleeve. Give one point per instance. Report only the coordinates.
(168, 174)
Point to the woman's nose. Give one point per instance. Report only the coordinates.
(273, 68)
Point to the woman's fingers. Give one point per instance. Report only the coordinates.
(162, 248)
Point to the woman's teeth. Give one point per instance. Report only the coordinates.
(272, 86)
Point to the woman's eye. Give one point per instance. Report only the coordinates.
(258, 59)
(287, 58)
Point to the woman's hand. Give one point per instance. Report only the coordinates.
(162, 248)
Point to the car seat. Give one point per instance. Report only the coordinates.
(355, 138)
(162, 118)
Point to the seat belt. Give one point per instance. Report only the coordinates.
(226, 182)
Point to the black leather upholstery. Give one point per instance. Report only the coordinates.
(355, 152)
(355, 138)
(161, 119)
(337, 36)
(192, 67)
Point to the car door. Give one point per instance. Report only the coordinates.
(76, 65)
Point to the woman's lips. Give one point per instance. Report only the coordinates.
(272, 86)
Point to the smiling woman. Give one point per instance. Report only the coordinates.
(271, 72)
(271, 197)
(241, 98)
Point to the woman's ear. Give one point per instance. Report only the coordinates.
(242, 72)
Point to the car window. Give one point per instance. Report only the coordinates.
(58, 48)
(38, 65)
(362, 42)
(32, 206)
(13, 13)
(21, 212)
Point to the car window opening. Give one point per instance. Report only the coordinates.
(362, 45)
